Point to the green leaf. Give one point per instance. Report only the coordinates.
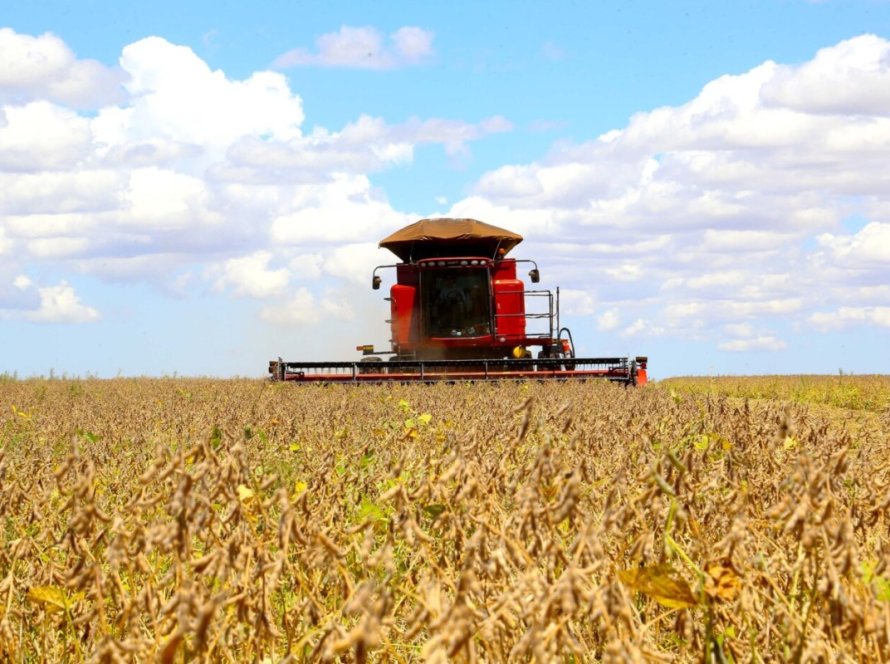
(340, 468)
(215, 438)
(370, 511)
(434, 509)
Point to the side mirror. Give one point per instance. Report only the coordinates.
(375, 282)
(534, 275)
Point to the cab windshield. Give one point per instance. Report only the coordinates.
(456, 302)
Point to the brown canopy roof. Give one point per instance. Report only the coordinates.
(431, 238)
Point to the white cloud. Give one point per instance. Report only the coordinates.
(363, 48)
(643, 327)
(870, 246)
(56, 247)
(847, 316)
(769, 343)
(413, 43)
(165, 199)
(749, 339)
(42, 136)
(626, 272)
(303, 308)
(44, 67)
(743, 241)
(577, 302)
(355, 262)
(176, 96)
(192, 166)
(307, 267)
(26, 60)
(345, 210)
(739, 329)
(250, 276)
(58, 304)
(608, 321)
(850, 77)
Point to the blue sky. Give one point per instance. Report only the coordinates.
(196, 188)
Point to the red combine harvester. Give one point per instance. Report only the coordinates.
(459, 312)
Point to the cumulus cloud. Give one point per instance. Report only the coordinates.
(304, 308)
(186, 165)
(609, 320)
(363, 48)
(251, 276)
(176, 96)
(868, 247)
(60, 304)
(347, 209)
(40, 136)
(848, 316)
(851, 77)
(365, 146)
(44, 304)
(744, 337)
(44, 68)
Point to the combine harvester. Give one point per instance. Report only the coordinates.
(459, 312)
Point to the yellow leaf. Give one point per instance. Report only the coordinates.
(662, 583)
(53, 598)
(722, 582)
(244, 494)
(299, 487)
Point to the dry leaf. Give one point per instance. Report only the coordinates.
(53, 598)
(722, 582)
(662, 583)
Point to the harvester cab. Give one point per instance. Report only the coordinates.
(459, 311)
